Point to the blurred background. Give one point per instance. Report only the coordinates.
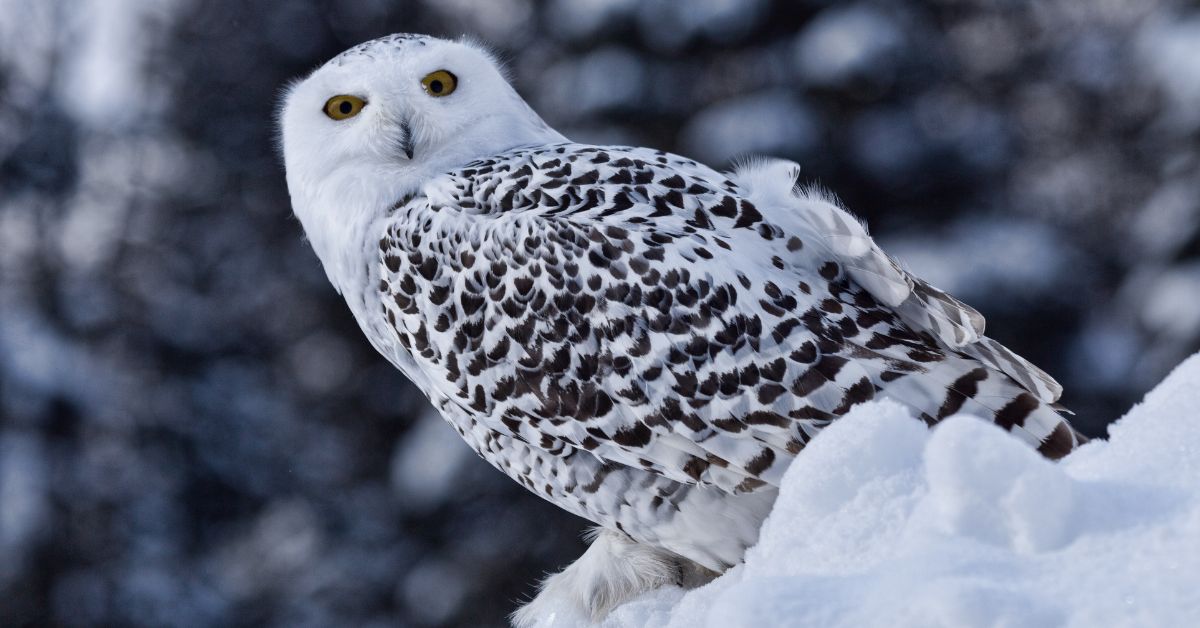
(193, 431)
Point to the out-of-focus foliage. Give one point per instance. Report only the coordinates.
(192, 430)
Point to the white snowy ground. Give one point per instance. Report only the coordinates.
(884, 523)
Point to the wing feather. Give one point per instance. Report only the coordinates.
(956, 325)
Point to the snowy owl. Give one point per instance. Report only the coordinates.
(631, 335)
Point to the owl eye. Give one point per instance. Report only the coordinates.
(439, 83)
(342, 107)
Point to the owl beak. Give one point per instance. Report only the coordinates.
(406, 144)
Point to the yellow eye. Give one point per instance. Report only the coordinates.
(342, 107)
(439, 83)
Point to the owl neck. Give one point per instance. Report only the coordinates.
(336, 214)
(343, 218)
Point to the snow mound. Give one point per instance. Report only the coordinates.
(883, 522)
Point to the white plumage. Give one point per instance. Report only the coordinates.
(637, 338)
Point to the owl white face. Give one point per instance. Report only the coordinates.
(373, 124)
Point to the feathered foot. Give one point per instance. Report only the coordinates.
(613, 570)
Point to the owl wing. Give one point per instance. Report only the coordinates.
(637, 307)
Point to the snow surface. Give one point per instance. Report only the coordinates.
(883, 522)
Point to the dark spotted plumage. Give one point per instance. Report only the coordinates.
(648, 343)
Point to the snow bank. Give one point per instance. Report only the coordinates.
(882, 522)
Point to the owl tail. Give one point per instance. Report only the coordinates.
(961, 385)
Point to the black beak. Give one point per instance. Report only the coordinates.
(406, 144)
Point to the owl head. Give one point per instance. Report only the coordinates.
(370, 126)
